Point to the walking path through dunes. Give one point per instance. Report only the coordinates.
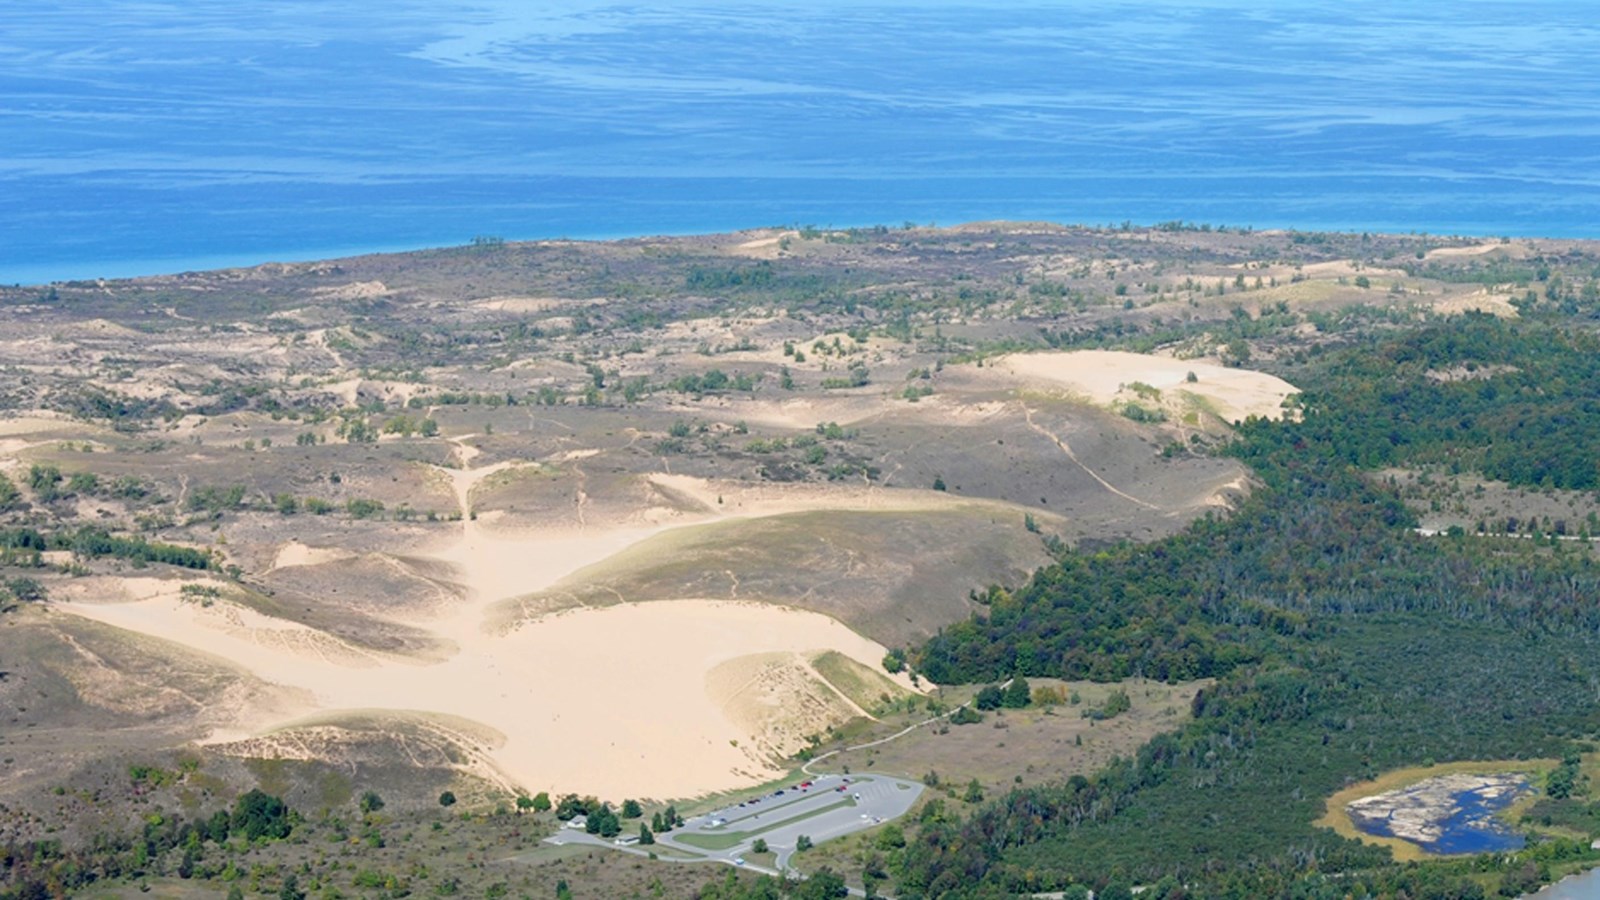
(616, 701)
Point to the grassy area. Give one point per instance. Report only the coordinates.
(1337, 818)
(811, 559)
(864, 687)
(1022, 746)
(703, 804)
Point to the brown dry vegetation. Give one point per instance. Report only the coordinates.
(1036, 744)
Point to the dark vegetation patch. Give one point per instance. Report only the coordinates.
(1347, 645)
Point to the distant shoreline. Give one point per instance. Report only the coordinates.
(41, 274)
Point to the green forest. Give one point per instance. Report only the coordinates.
(1345, 642)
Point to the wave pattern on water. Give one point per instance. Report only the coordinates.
(150, 130)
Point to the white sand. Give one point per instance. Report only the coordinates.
(1103, 376)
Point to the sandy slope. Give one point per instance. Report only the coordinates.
(614, 701)
(629, 700)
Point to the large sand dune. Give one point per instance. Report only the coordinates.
(629, 700)
(622, 701)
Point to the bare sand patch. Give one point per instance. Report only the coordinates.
(1469, 250)
(777, 698)
(42, 423)
(1495, 304)
(1103, 376)
(801, 412)
(359, 290)
(1346, 268)
(760, 499)
(523, 304)
(295, 553)
(98, 328)
(765, 246)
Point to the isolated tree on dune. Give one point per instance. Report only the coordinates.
(1017, 694)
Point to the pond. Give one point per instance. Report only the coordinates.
(1448, 814)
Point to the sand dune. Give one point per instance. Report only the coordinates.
(622, 701)
(1102, 376)
(630, 700)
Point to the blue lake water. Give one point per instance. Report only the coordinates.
(1579, 887)
(1471, 826)
(150, 135)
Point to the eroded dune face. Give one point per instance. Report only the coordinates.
(630, 700)
(596, 619)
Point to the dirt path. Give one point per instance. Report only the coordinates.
(1027, 414)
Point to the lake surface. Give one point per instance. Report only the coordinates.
(1579, 887)
(151, 135)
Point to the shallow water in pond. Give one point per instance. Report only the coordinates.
(1470, 827)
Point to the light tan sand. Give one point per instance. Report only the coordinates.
(295, 553)
(753, 500)
(1103, 376)
(1347, 268)
(522, 304)
(356, 290)
(629, 700)
(615, 701)
(1495, 304)
(37, 424)
(1470, 250)
(765, 247)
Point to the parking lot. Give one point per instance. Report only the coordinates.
(820, 808)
